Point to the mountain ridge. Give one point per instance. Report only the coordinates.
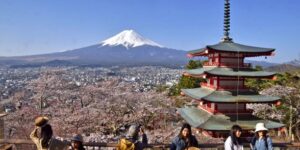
(127, 48)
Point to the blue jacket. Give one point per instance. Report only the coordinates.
(179, 144)
(261, 144)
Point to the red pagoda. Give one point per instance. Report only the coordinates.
(221, 101)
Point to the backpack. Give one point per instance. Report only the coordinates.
(253, 141)
(56, 144)
(125, 144)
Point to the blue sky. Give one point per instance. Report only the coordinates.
(36, 27)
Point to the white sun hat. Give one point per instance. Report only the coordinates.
(260, 127)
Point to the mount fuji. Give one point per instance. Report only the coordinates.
(126, 48)
(129, 39)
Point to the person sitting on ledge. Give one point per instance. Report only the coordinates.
(261, 141)
(45, 140)
(234, 142)
(185, 139)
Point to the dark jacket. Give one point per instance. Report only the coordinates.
(179, 144)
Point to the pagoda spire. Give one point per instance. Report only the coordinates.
(226, 37)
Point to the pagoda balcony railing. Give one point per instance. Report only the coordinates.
(231, 88)
(242, 65)
(210, 64)
(233, 111)
(223, 87)
(21, 144)
(207, 109)
(207, 85)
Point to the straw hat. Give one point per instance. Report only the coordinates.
(260, 127)
(41, 121)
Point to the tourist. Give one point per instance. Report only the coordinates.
(233, 142)
(135, 139)
(77, 142)
(45, 140)
(185, 139)
(261, 141)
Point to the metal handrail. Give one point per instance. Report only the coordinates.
(153, 146)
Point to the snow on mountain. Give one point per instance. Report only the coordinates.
(124, 49)
(295, 62)
(128, 38)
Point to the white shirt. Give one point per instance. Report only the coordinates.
(230, 146)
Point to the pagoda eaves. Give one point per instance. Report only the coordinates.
(231, 47)
(228, 96)
(220, 122)
(230, 72)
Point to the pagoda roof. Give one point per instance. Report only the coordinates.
(232, 72)
(202, 119)
(233, 47)
(228, 96)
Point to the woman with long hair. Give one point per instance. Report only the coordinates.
(233, 142)
(45, 141)
(261, 141)
(184, 139)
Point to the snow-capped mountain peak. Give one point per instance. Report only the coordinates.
(128, 38)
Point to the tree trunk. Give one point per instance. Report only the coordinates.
(41, 105)
(291, 122)
(297, 132)
(81, 102)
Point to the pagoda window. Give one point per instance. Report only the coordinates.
(231, 107)
(228, 78)
(210, 81)
(208, 105)
(232, 60)
(215, 83)
(213, 106)
(229, 83)
(231, 55)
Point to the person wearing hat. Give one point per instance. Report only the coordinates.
(261, 141)
(234, 142)
(45, 141)
(76, 142)
(185, 139)
(135, 139)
